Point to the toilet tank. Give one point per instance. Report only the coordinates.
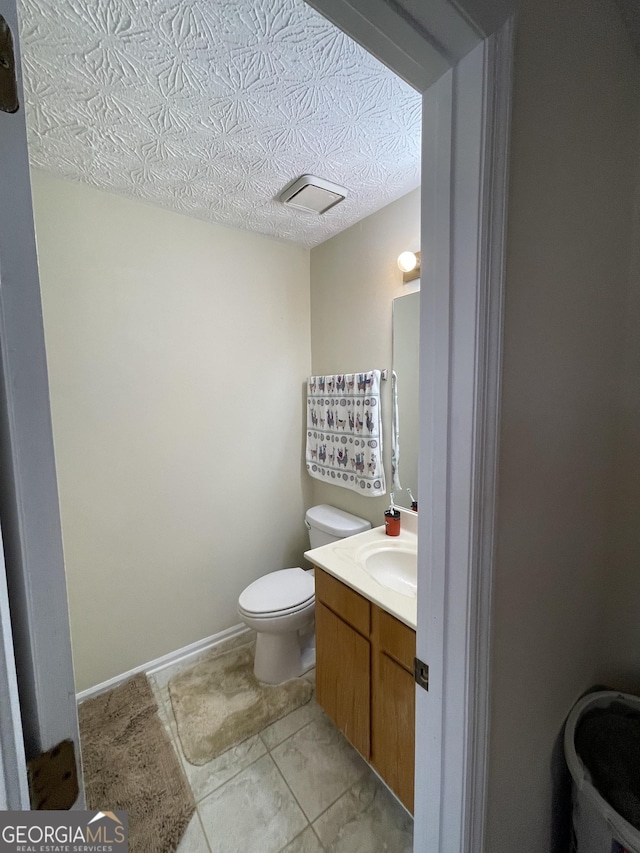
(328, 524)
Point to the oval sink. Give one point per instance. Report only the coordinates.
(395, 568)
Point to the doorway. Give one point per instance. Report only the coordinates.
(443, 387)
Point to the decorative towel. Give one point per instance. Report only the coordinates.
(344, 431)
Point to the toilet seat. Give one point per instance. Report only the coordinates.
(280, 593)
(278, 614)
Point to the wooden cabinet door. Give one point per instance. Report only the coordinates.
(343, 681)
(392, 748)
(393, 705)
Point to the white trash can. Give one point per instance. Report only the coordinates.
(597, 825)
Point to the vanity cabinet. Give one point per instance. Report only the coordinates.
(364, 680)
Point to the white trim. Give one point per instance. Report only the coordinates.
(433, 454)
(390, 37)
(183, 656)
(493, 216)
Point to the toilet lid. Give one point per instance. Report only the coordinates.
(276, 591)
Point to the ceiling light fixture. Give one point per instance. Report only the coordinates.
(409, 263)
(315, 195)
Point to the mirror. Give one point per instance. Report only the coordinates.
(406, 346)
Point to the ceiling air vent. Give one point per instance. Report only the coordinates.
(314, 195)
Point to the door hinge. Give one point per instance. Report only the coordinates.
(421, 673)
(53, 778)
(8, 81)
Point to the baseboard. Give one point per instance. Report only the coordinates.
(182, 655)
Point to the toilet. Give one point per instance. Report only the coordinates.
(280, 606)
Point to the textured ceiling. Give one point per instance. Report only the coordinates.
(210, 107)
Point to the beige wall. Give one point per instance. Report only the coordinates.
(575, 123)
(354, 279)
(177, 354)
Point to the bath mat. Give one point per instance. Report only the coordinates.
(218, 703)
(130, 764)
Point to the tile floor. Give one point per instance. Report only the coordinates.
(297, 787)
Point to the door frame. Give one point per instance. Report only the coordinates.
(460, 368)
(466, 83)
(38, 672)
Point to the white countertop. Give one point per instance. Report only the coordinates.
(338, 559)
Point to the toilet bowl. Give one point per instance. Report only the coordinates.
(280, 605)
